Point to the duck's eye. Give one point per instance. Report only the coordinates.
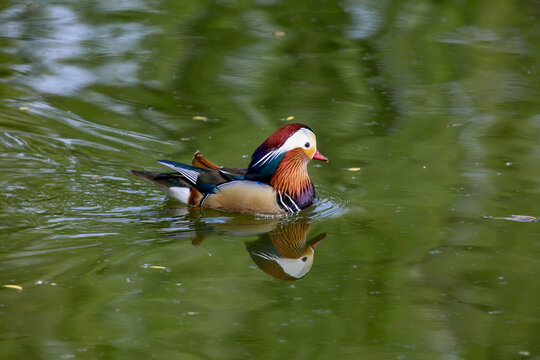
(306, 145)
(304, 259)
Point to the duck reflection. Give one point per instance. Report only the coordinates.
(285, 253)
(282, 249)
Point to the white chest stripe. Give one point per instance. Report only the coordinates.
(293, 202)
(282, 203)
(286, 204)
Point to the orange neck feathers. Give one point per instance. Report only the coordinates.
(291, 178)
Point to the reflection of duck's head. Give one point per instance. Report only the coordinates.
(284, 252)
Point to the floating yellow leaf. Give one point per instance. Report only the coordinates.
(200, 118)
(354, 169)
(290, 118)
(16, 287)
(280, 33)
(24, 108)
(156, 267)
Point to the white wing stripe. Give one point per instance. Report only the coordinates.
(190, 175)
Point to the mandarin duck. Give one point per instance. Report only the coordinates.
(285, 253)
(275, 182)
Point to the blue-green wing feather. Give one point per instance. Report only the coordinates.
(204, 180)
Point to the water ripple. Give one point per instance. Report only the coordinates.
(329, 205)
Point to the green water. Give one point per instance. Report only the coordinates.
(436, 103)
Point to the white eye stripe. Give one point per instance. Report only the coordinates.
(296, 140)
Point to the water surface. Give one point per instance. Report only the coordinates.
(428, 112)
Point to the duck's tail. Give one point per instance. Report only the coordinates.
(171, 183)
(183, 185)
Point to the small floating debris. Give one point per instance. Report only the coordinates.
(518, 218)
(157, 267)
(524, 353)
(16, 287)
(280, 33)
(24, 108)
(199, 118)
(354, 169)
(289, 118)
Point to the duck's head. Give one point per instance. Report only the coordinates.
(290, 137)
